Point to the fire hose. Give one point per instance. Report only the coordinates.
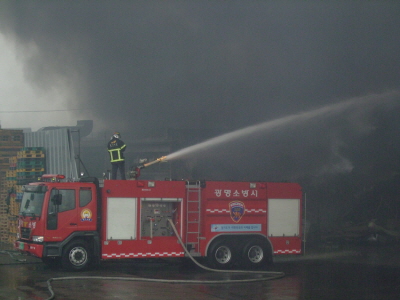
(269, 275)
(12, 255)
(134, 174)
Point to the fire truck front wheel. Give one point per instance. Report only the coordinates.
(221, 255)
(76, 256)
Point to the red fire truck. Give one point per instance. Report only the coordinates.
(228, 223)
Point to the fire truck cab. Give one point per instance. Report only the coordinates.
(229, 223)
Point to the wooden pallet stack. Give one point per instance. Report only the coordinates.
(11, 141)
(13, 205)
(10, 220)
(31, 164)
(18, 166)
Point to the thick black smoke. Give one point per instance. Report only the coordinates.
(140, 67)
(144, 65)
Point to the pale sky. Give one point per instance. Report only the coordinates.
(20, 99)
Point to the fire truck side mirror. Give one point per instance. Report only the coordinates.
(57, 199)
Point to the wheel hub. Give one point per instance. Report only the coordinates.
(77, 256)
(223, 255)
(255, 254)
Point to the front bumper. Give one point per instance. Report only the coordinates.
(33, 249)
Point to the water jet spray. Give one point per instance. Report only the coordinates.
(293, 119)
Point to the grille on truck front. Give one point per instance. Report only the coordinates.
(25, 233)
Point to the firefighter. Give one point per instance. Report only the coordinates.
(116, 148)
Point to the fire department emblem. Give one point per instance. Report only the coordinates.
(86, 215)
(237, 210)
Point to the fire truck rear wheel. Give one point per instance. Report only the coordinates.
(221, 255)
(76, 256)
(256, 254)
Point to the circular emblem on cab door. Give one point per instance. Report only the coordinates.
(86, 215)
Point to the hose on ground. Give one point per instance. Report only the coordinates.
(269, 275)
(12, 255)
(275, 275)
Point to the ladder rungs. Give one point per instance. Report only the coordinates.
(194, 193)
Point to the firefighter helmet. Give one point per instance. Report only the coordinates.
(117, 135)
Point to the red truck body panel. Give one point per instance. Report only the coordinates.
(138, 192)
(129, 218)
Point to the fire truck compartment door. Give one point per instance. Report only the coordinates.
(121, 218)
(283, 217)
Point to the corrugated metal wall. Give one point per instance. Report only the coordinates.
(60, 154)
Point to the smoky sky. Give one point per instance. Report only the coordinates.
(141, 67)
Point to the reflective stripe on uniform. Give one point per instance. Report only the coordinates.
(115, 154)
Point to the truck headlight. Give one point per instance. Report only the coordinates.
(37, 239)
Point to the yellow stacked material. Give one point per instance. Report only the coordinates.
(10, 138)
(31, 164)
(3, 206)
(12, 163)
(3, 185)
(4, 230)
(4, 161)
(12, 237)
(14, 207)
(13, 224)
(30, 154)
(29, 170)
(11, 141)
(10, 183)
(11, 175)
(4, 219)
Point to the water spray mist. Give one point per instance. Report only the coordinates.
(360, 102)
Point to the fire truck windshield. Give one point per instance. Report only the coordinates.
(32, 203)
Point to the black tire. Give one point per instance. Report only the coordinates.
(221, 255)
(256, 254)
(76, 256)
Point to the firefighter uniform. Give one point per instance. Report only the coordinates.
(116, 148)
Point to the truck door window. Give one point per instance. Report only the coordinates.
(85, 196)
(32, 202)
(67, 202)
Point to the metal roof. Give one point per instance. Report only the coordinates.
(59, 150)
